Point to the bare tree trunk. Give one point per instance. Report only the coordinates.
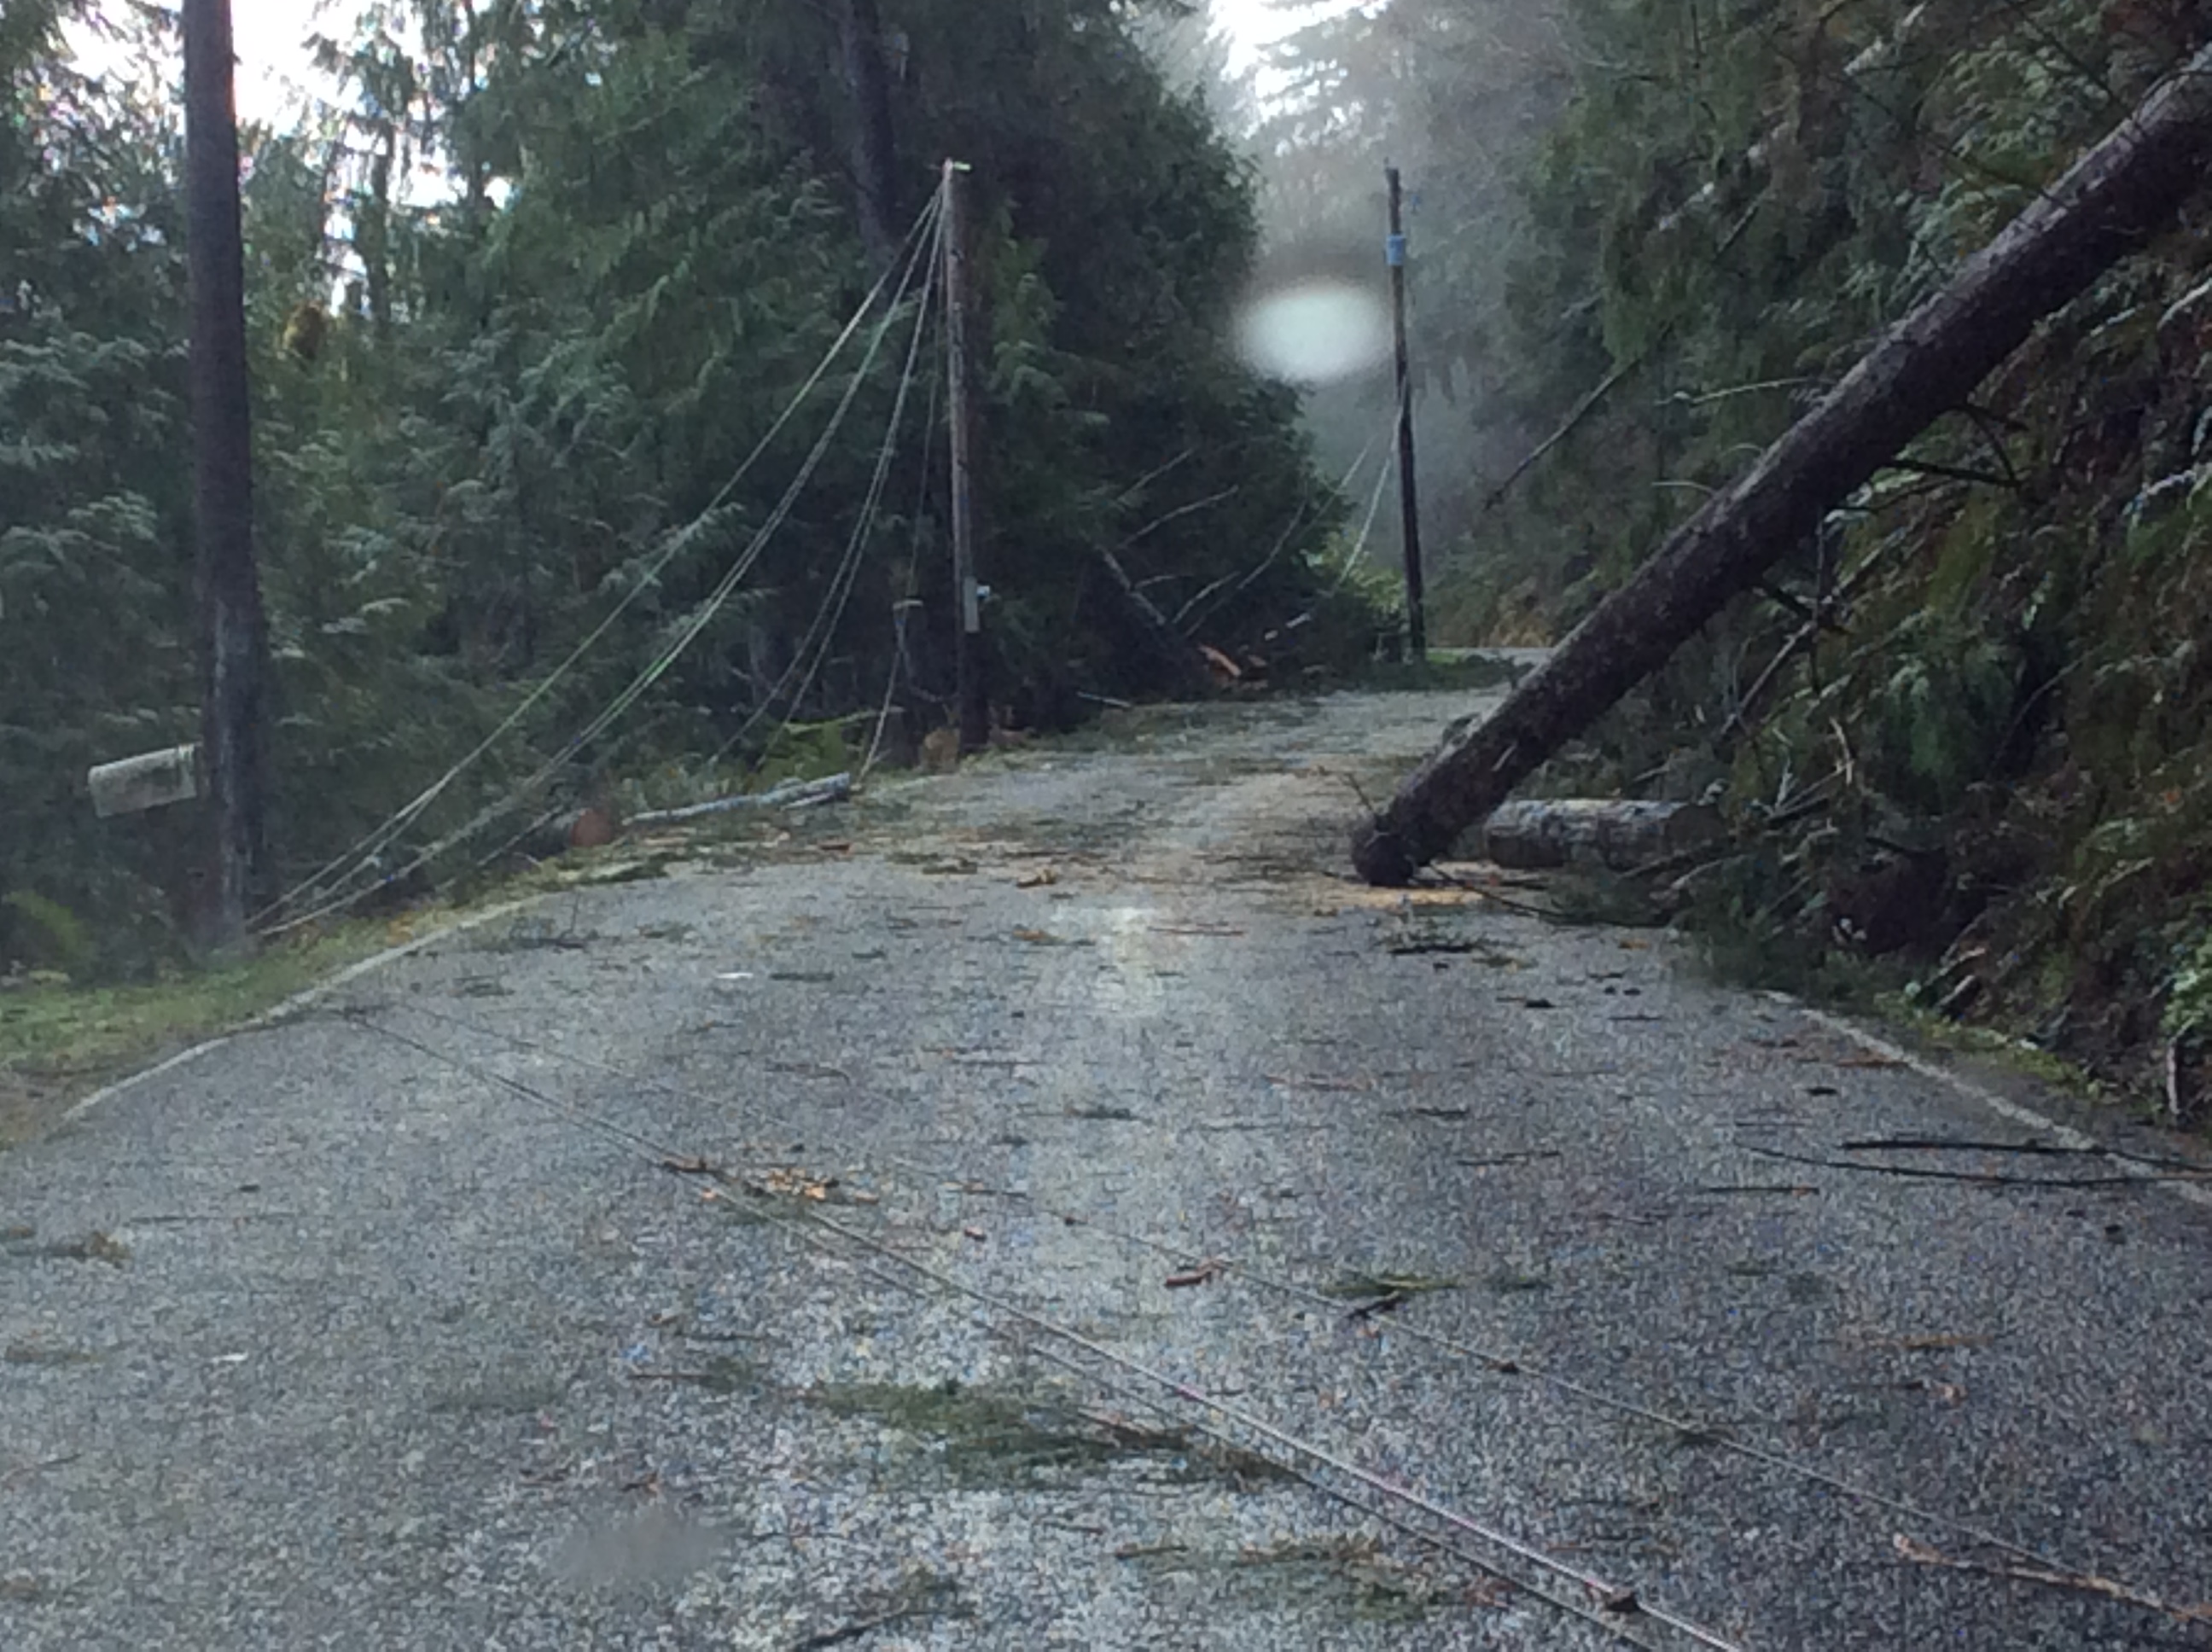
(875, 151)
(1930, 362)
(372, 235)
(1621, 835)
(234, 633)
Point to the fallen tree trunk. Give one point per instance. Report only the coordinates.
(1928, 363)
(1618, 835)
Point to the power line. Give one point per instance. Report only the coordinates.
(1231, 585)
(347, 866)
(821, 631)
(689, 633)
(1621, 1605)
(904, 604)
(1495, 1363)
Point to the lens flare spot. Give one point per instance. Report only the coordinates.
(1316, 333)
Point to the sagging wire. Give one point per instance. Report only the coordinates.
(694, 625)
(821, 632)
(1358, 551)
(903, 606)
(1229, 585)
(348, 866)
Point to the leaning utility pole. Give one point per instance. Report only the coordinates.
(1409, 506)
(968, 636)
(233, 636)
(2112, 200)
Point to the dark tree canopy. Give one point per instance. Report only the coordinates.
(563, 266)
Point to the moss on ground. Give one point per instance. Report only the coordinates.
(991, 1436)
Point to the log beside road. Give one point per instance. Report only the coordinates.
(1618, 835)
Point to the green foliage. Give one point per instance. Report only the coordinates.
(2189, 991)
(92, 500)
(49, 935)
(1995, 751)
(491, 407)
(806, 751)
(1933, 726)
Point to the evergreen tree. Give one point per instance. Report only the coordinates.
(521, 297)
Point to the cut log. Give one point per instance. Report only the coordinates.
(2104, 208)
(1618, 835)
(791, 794)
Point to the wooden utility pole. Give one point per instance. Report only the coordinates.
(968, 636)
(1409, 495)
(2104, 208)
(234, 635)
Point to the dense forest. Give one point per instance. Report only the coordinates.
(615, 325)
(1962, 738)
(532, 283)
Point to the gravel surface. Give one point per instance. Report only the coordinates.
(818, 1243)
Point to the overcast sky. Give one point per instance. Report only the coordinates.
(271, 36)
(1251, 24)
(272, 58)
(272, 55)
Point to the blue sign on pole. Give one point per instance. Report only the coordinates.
(1394, 251)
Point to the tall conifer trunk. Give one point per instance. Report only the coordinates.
(234, 637)
(875, 148)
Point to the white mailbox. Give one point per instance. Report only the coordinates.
(137, 784)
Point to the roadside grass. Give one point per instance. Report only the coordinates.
(60, 1042)
(61, 1039)
(1997, 1054)
(1750, 950)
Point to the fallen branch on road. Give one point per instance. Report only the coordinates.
(860, 1626)
(1982, 1178)
(1947, 1144)
(2079, 1583)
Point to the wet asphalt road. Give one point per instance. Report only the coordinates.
(818, 1245)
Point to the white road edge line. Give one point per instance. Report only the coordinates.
(2065, 1136)
(304, 999)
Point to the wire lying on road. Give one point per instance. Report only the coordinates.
(1617, 1602)
(1621, 1606)
(1982, 1178)
(1497, 1364)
